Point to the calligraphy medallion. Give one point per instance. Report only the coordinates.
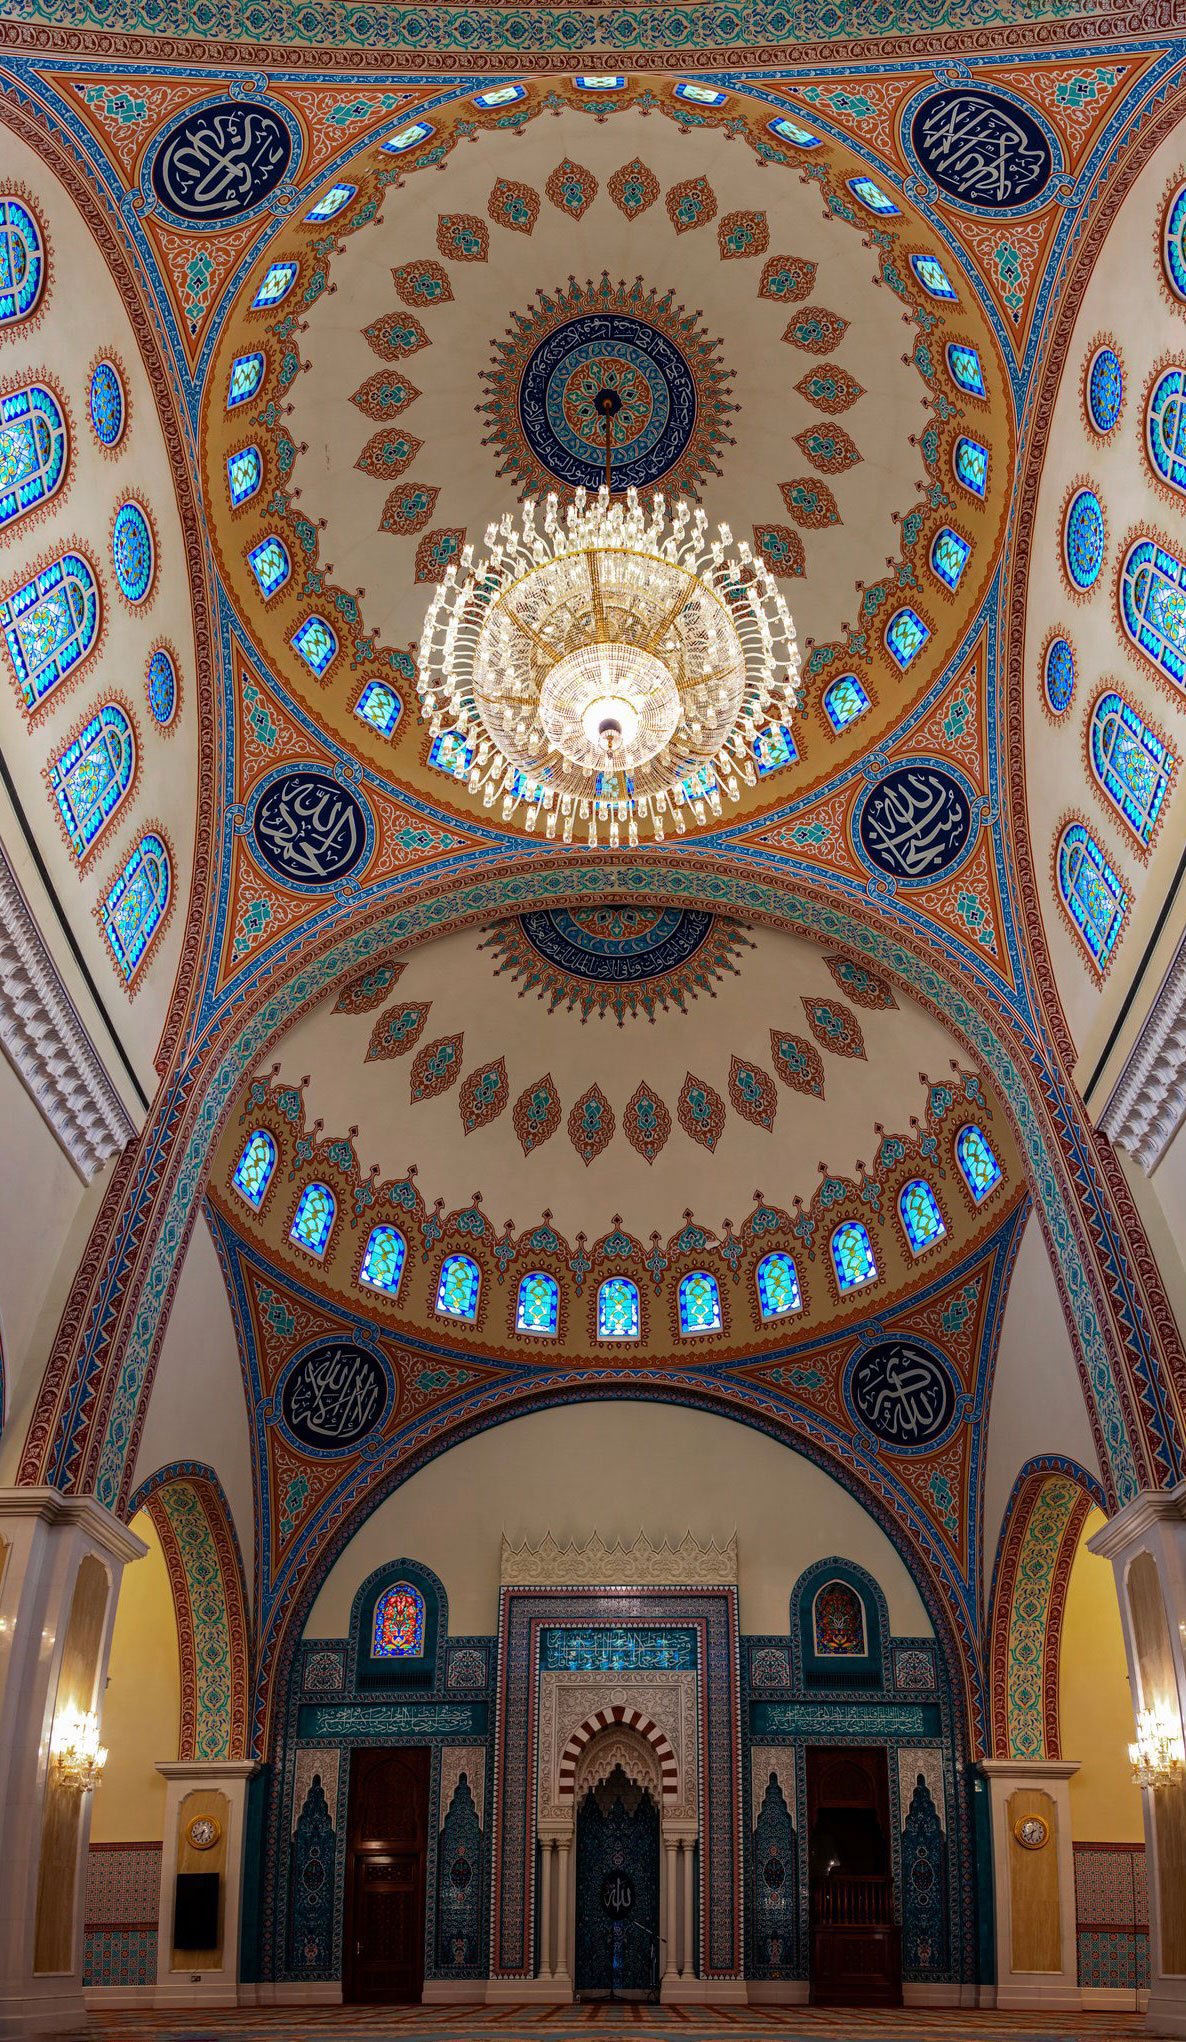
(904, 1392)
(987, 150)
(617, 958)
(332, 1394)
(220, 161)
(310, 830)
(917, 822)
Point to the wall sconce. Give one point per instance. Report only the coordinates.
(1158, 1757)
(76, 1750)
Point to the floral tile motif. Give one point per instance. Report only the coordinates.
(701, 1112)
(646, 1123)
(572, 188)
(408, 509)
(691, 204)
(384, 395)
(829, 388)
(537, 1114)
(398, 1030)
(740, 234)
(835, 1027)
(591, 1124)
(422, 283)
(861, 985)
(797, 1063)
(787, 279)
(437, 552)
(483, 1096)
(815, 330)
(828, 448)
(387, 454)
(436, 1068)
(633, 188)
(752, 1093)
(462, 237)
(369, 990)
(514, 206)
(781, 549)
(810, 503)
(395, 335)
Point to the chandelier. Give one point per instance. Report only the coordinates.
(1158, 1757)
(76, 1750)
(613, 670)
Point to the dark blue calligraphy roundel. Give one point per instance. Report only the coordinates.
(903, 1392)
(332, 1395)
(988, 151)
(311, 831)
(653, 388)
(220, 161)
(917, 822)
(616, 944)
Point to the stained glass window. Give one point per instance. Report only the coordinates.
(499, 95)
(964, 365)
(774, 747)
(33, 450)
(949, 556)
(971, 465)
(244, 473)
(932, 276)
(397, 1631)
(278, 281)
(383, 1263)
(133, 555)
(91, 776)
(538, 1309)
(700, 95)
(407, 138)
(905, 635)
(921, 1217)
(600, 81)
(981, 1170)
(314, 1218)
(1096, 901)
(161, 686)
(22, 260)
(335, 198)
(50, 625)
(1131, 764)
(450, 753)
(1165, 428)
(790, 131)
(457, 1291)
(1153, 606)
(270, 564)
(135, 904)
(778, 1286)
(247, 373)
(844, 701)
(253, 1171)
(1059, 675)
(1173, 242)
(1083, 539)
(106, 405)
(852, 1256)
(1105, 389)
(871, 195)
(699, 1303)
(379, 706)
(618, 1316)
(316, 643)
(838, 1622)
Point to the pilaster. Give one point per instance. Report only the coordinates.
(205, 1799)
(1034, 1877)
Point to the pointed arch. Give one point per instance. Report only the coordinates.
(192, 1518)
(1041, 1530)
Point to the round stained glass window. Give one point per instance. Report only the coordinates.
(161, 682)
(1083, 539)
(132, 553)
(107, 405)
(1105, 389)
(1059, 675)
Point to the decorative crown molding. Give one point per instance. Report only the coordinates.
(1145, 1107)
(618, 1565)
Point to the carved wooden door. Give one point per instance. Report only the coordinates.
(856, 1957)
(388, 1834)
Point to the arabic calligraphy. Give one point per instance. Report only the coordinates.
(333, 1395)
(902, 1392)
(221, 161)
(309, 829)
(915, 824)
(645, 369)
(617, 1894)
(980, 147)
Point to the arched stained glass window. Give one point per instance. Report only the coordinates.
(932, 276)
(379, 706)
(1165, 428)
(981, 1170)
(244, 473)
(91, 776)
(970, 461)
(1153, 606)
(270, 564)
(134, 907)
(253, 1171)
(314, 1218)
(921, 1217)
(844, 701)
(852, 1256)
(383, 1262)
(949, 556)
(1095, 899)
(450, 754)
(905, 635)
(50, 625)
(964, 365)
(33, 450)
(457, 1291)
(1131, 764)
(538, 1309)
(397, 1629)
(774, 746)
(699, 1303)
(316, 643)
(838, 1622)
(778, 1286)
(247, 373)
(1173, 242)
(22, 260)
(336, 197)
(618, 1316)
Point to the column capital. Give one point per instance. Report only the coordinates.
(80, 1513)
(207, 1771)
(1151, 1508)
(1029, 1768)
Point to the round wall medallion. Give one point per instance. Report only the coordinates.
(1031, 1831)
(332, 1395)
(1058, 675)
(617, 958)
(1084, 538)
(106, 404)
(903, 1391)
(133, 555)
(309, 829)
(161, 685)
(916, 823)
(203, 1832)
(1104, 389)
(643, 371)
(220, 161)
(988, 152)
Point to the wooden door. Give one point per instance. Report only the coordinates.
(388, 1836)
(856, 1955)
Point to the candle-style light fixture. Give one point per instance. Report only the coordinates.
(75, 1749)
(1157, 1755)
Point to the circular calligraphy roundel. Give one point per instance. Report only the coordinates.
(310, 830)
(332, 1395)
(220, 161)
(902, 1391)
(916, 822)
(648, 377)
(985, 149)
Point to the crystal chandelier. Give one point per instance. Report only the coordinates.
(612, 671)
(76, 1750)
(1158, 1757)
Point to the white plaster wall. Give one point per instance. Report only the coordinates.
(616, 1469)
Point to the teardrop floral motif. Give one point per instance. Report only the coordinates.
(437, 1066)
(646, 1123)
(752, 1093)
(537, 1114)
(797, 1062)
(835, 1027)
(398, 1030)
(591, 1124)
(484, 1096)
(701, 1112)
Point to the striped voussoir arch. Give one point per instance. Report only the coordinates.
(619, 1717)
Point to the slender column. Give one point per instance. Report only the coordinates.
(197, 1789)
(560, 1973)
(1035, 1881)
(671, 1863)
(545, 1908)
(687, 1968)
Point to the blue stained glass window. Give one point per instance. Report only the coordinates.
(601, 81)
(1096, 901)
(33, 450)
(379, 706)
(778, 1286)
(618, 1315)
(407, 138)
(971, 465)
(1059, 675)
(905, 635)
(538, 1309)
(457, 1291)
(106, 404)
(450, 754)
(383, 1262)
(50, 624)
(247, 373)
(91, 776)
(331, 204)
(774, 747)
(278, 281)
(700, 95)
(270, 564)
(253, 1171)
(244, 473)
(949, 556)
(1083, 539)
(500, 95)
(963, 363)
(1165, 428)
(316, 643)
(790, 131)
(314, 1218)
(844, 701)
(980, 1168)
(397, 1628)
(932, 276)
(22, 260)
(135, 904)
(133, 555)
(1153, 606)
(1105, 389)
(852, 1256)
(1131, 764)
(699, 1303)
(921, 1217)
(161, 685)
(1173, 242)
(871, 195)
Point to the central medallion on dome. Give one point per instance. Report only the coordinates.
(618, 958)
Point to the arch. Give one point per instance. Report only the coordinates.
(977, 1161)
(34, 450)
(459, 1288)
(22, 260)
(1039, 1536)
(382, 1265)
(777, 1280)
(844, 701)
(50, 625)
(820, 1668)
(397, 1623)
(91, 775)
(414, 1668)
(838, 1626)
(918, 1209)
(618, 1716)
(1131, 764)
(620, 1746)
(852, 1256)
(193, 1522)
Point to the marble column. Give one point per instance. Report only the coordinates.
(204, 1799)
(687, 1964)
(560, 1972)
(545, 1907)
(671, 1876)
(1034, 1872)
